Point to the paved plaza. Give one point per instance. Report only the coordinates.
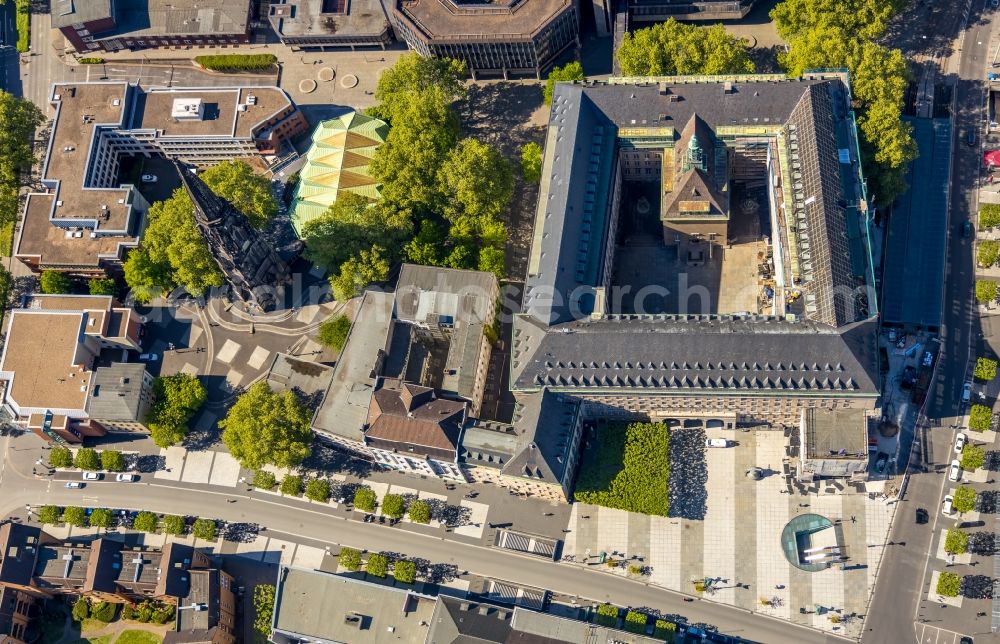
(206, 467)
(738, 543)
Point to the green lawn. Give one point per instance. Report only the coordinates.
(6, 239)
(138, 637)
(628, 469)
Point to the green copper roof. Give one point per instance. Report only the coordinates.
(337, 161)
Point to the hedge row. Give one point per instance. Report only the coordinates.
(236, 62)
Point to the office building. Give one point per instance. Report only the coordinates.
(514, 37)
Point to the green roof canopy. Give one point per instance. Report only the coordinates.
(338, 159)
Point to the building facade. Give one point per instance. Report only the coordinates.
(93, 26)
(83, 220)
(330, 24)
(515, 37)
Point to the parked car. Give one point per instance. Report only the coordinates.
(966, 392)
(955, 471)
(922, 516)
(880, 462)
(149, 178)
(148, 357)
(717, 442)
(967, 229)
(970, 137)
(91, 476)
(75, 485)
(946, 507)
(959, 443)
(126, 478)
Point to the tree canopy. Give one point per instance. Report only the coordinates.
(353, 224)
(250, 193)
(173, 252)
(413, 74)
(837, 34)
(19, 118)
(265, 427)
(102, 286)
(629, 469)
(54, 282)
(531, 162)
(440, 198)
(333, 332)
(572, 71)
(674, 48)
(371, 265)
(178, 398)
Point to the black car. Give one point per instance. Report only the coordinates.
(922, 516)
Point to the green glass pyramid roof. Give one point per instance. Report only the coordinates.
(337, 160)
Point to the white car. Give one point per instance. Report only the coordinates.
(148, 357)
(717, 442)
(966, 392)
(125, 478)
(955, 471)
(74, 485)
(959, 443)
(149, 178)
(946, 507)
(91, 476)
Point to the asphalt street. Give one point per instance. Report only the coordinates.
(896, 607)
(329, 525)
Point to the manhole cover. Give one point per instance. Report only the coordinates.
(307, 86)
(326, 74)
(349, 81)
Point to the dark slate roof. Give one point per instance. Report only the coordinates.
(721, 353)
(489, 444)
(820, 194)
(694, 183)
(545, 422)
(460, 621)
(567, 249)
(103, 566)
(19, 545)
(917, 240)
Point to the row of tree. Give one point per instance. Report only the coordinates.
(173, 251)
(441, 196)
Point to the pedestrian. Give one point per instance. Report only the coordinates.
(853, 519)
